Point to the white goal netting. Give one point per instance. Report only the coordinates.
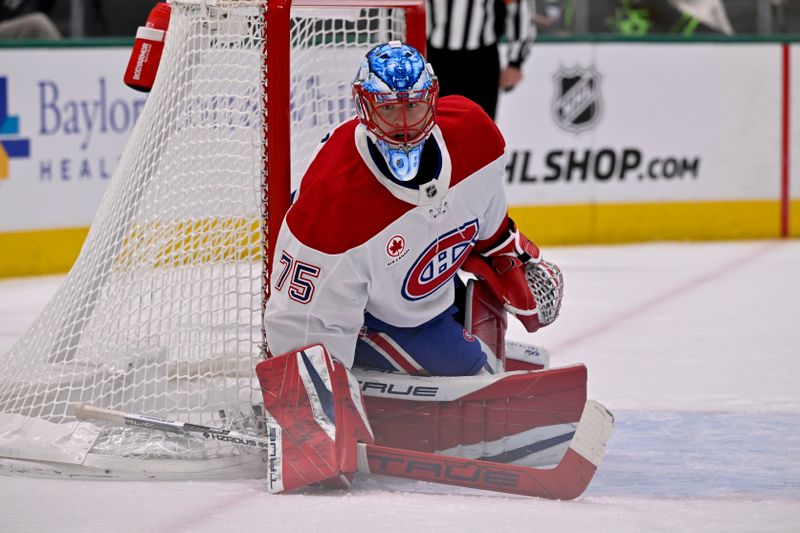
(161, 313)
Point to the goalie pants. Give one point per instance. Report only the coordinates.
(439, 347)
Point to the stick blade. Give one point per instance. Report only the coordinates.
(585, 453)
(593, 433)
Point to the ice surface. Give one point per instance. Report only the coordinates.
(694, 347)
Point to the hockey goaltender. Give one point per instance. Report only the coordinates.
(391, 364)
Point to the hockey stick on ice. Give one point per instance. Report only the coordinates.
(565, 481)
(89, 412)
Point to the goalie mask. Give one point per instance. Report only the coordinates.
(395, 94)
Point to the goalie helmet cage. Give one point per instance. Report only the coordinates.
(162, 312)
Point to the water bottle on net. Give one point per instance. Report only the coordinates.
(147, 48)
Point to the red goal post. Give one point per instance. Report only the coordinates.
(276, 61)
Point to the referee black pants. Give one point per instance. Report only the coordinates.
(471, 73)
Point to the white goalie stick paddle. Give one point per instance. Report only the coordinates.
(565, 481)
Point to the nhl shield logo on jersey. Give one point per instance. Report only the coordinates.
(576, 100)
(439, 262)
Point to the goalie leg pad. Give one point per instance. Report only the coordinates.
(487, 320)
(521, 417)
(315, 405)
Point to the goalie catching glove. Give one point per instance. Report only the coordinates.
(530, 287)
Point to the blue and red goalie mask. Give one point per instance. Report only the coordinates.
(395, 92)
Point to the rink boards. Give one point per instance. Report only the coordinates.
(607, 142)
(620, 142)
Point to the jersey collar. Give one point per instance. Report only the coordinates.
(429, 193)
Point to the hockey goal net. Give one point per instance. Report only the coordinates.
(161, 313)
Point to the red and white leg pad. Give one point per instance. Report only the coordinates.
(510, 417)
(316, 416)
(487, 319)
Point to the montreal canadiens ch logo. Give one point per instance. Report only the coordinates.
(439, 262)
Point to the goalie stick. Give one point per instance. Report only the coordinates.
(566, 481)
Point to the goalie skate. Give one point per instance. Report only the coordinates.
(522, 356)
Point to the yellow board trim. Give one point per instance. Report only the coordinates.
(620, 223)
(51, 251)
(190, 242)
(40, 252)
(794, 221)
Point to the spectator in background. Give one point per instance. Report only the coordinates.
(27, 19)
(463, 40)
(676, 17)
(550, 17)
(786, 16)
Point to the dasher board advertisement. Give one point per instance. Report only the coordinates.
(66, 116)
(646, 141)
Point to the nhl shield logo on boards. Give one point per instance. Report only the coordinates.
(576, 98)
(440, 260)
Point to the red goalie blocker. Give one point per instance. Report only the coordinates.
(317, 404)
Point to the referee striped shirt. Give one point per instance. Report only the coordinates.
(473, 24)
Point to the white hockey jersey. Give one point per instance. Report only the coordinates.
(354, 241)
